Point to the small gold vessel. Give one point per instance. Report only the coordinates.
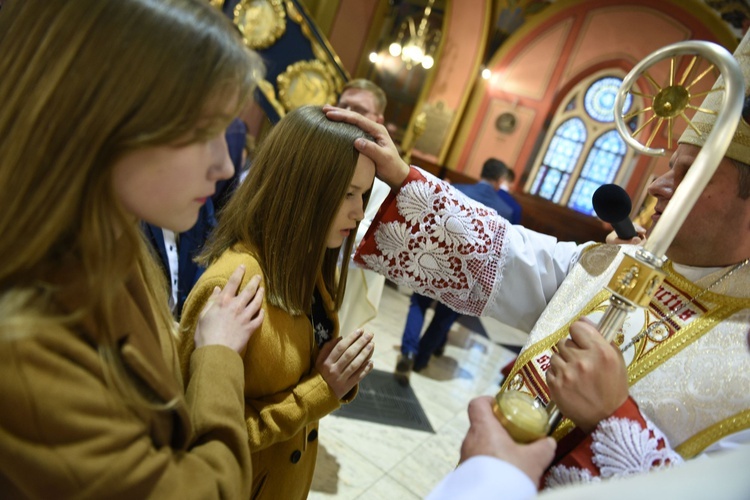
(525, 419)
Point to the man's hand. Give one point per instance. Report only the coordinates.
(391, 169)
(612, 238)
(487, 436)
(587, 379)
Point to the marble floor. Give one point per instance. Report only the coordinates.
(364, 460)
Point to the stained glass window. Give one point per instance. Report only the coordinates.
(602, 163)
(560, 160)
(567, 158)
(599, 99)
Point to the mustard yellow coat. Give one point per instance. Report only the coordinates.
(64, 433)
(285, 395)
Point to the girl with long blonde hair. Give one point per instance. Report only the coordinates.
(289, 221)
(112, 113)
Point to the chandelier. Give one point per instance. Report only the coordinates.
(416, 44)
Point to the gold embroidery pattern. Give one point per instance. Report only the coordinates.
(714, 308)
(677, 341)
(548, 342)
(712, 434)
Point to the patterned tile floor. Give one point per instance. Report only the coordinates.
(359, 459)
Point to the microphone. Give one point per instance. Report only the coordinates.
(612, 204)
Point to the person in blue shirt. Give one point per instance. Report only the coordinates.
(507, 179)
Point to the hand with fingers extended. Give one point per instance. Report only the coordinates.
(487, 436)
(391, 169)
(588, 378)
(230, 318)
(344, 361)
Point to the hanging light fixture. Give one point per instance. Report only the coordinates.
(416, 44)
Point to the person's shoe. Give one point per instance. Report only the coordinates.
(403, 367)
(419, 365)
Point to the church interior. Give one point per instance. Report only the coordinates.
(509, 79)
(568, 95)
(530, 82)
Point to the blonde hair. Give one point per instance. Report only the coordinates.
(363, 84)
(283, 210)
(85, 82)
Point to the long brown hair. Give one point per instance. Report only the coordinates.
(283, 210)
(84, 82)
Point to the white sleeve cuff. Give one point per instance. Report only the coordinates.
(484, 477)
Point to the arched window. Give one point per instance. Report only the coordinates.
(583, 149)
(560, 160)
(602, 163)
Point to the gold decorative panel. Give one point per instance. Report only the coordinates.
(438, 121)
(261, 22)
(306, 82)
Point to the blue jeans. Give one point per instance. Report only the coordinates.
(436, 332)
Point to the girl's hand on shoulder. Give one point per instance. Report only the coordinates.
(345, 361)
(230, 318)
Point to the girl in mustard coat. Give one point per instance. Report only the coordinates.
(113, 112)
(288, 222)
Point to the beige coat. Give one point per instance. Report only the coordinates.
(285, 395)
(64, 433)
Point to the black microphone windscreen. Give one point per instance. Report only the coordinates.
(611, 203)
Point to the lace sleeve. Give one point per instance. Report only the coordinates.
(438, 242)
(624, 444)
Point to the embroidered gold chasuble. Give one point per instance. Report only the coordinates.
(698, 341)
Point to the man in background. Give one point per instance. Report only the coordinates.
(507, 178)
(363, 287)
